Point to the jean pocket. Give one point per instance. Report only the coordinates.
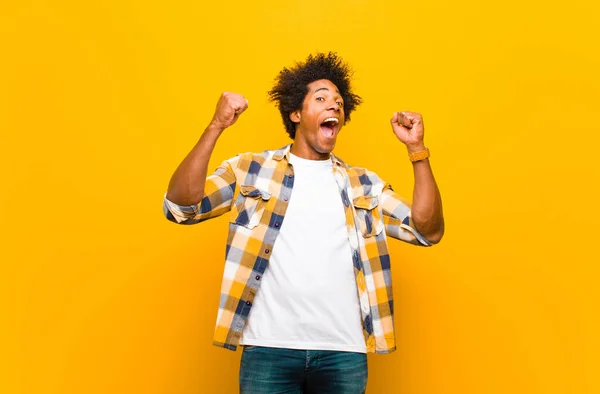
(249, 348)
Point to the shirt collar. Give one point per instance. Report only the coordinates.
(285, 152)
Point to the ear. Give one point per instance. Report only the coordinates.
(295, 116)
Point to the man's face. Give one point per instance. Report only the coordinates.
(319, 121)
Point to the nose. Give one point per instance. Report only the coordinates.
(335, 106)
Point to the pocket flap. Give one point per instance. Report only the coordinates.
(252, 191)
(366, 202)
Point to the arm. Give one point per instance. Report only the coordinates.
(187, 183)
(426, 212)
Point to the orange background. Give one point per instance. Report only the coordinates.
(100, 101)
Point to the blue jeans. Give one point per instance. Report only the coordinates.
(265, 370)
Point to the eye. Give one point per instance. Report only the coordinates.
(340, 103)
(320, 99)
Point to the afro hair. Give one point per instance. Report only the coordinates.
(291, 85)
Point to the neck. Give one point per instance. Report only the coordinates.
(305, 151)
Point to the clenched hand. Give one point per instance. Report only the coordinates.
(229, 108)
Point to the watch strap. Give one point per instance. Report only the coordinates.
(418, 156)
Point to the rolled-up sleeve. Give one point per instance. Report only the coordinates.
(397, 218)
(218, 197)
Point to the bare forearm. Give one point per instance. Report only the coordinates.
(426, 209)
(187, 183)
(427, 212)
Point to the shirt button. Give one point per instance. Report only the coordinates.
(257, 277)
(267, 251)
(291, 175)
(285, 198)
(276, 224)
(247, 302)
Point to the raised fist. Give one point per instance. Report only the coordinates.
(229, 108)
(408, 127)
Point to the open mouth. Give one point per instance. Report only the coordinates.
(329, 127)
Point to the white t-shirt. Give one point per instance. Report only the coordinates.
(308, 297)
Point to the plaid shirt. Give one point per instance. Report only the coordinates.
(255, 190)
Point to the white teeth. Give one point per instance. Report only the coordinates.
(336, 120)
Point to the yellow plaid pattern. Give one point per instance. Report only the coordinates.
(255, 190)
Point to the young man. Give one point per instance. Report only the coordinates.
(307, 285)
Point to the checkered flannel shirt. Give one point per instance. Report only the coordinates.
(255, 190)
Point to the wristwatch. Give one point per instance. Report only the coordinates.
(417, 156)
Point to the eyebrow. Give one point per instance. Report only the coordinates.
(337, 91)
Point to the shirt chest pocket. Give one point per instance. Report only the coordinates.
(249, 206)
(368, 216)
